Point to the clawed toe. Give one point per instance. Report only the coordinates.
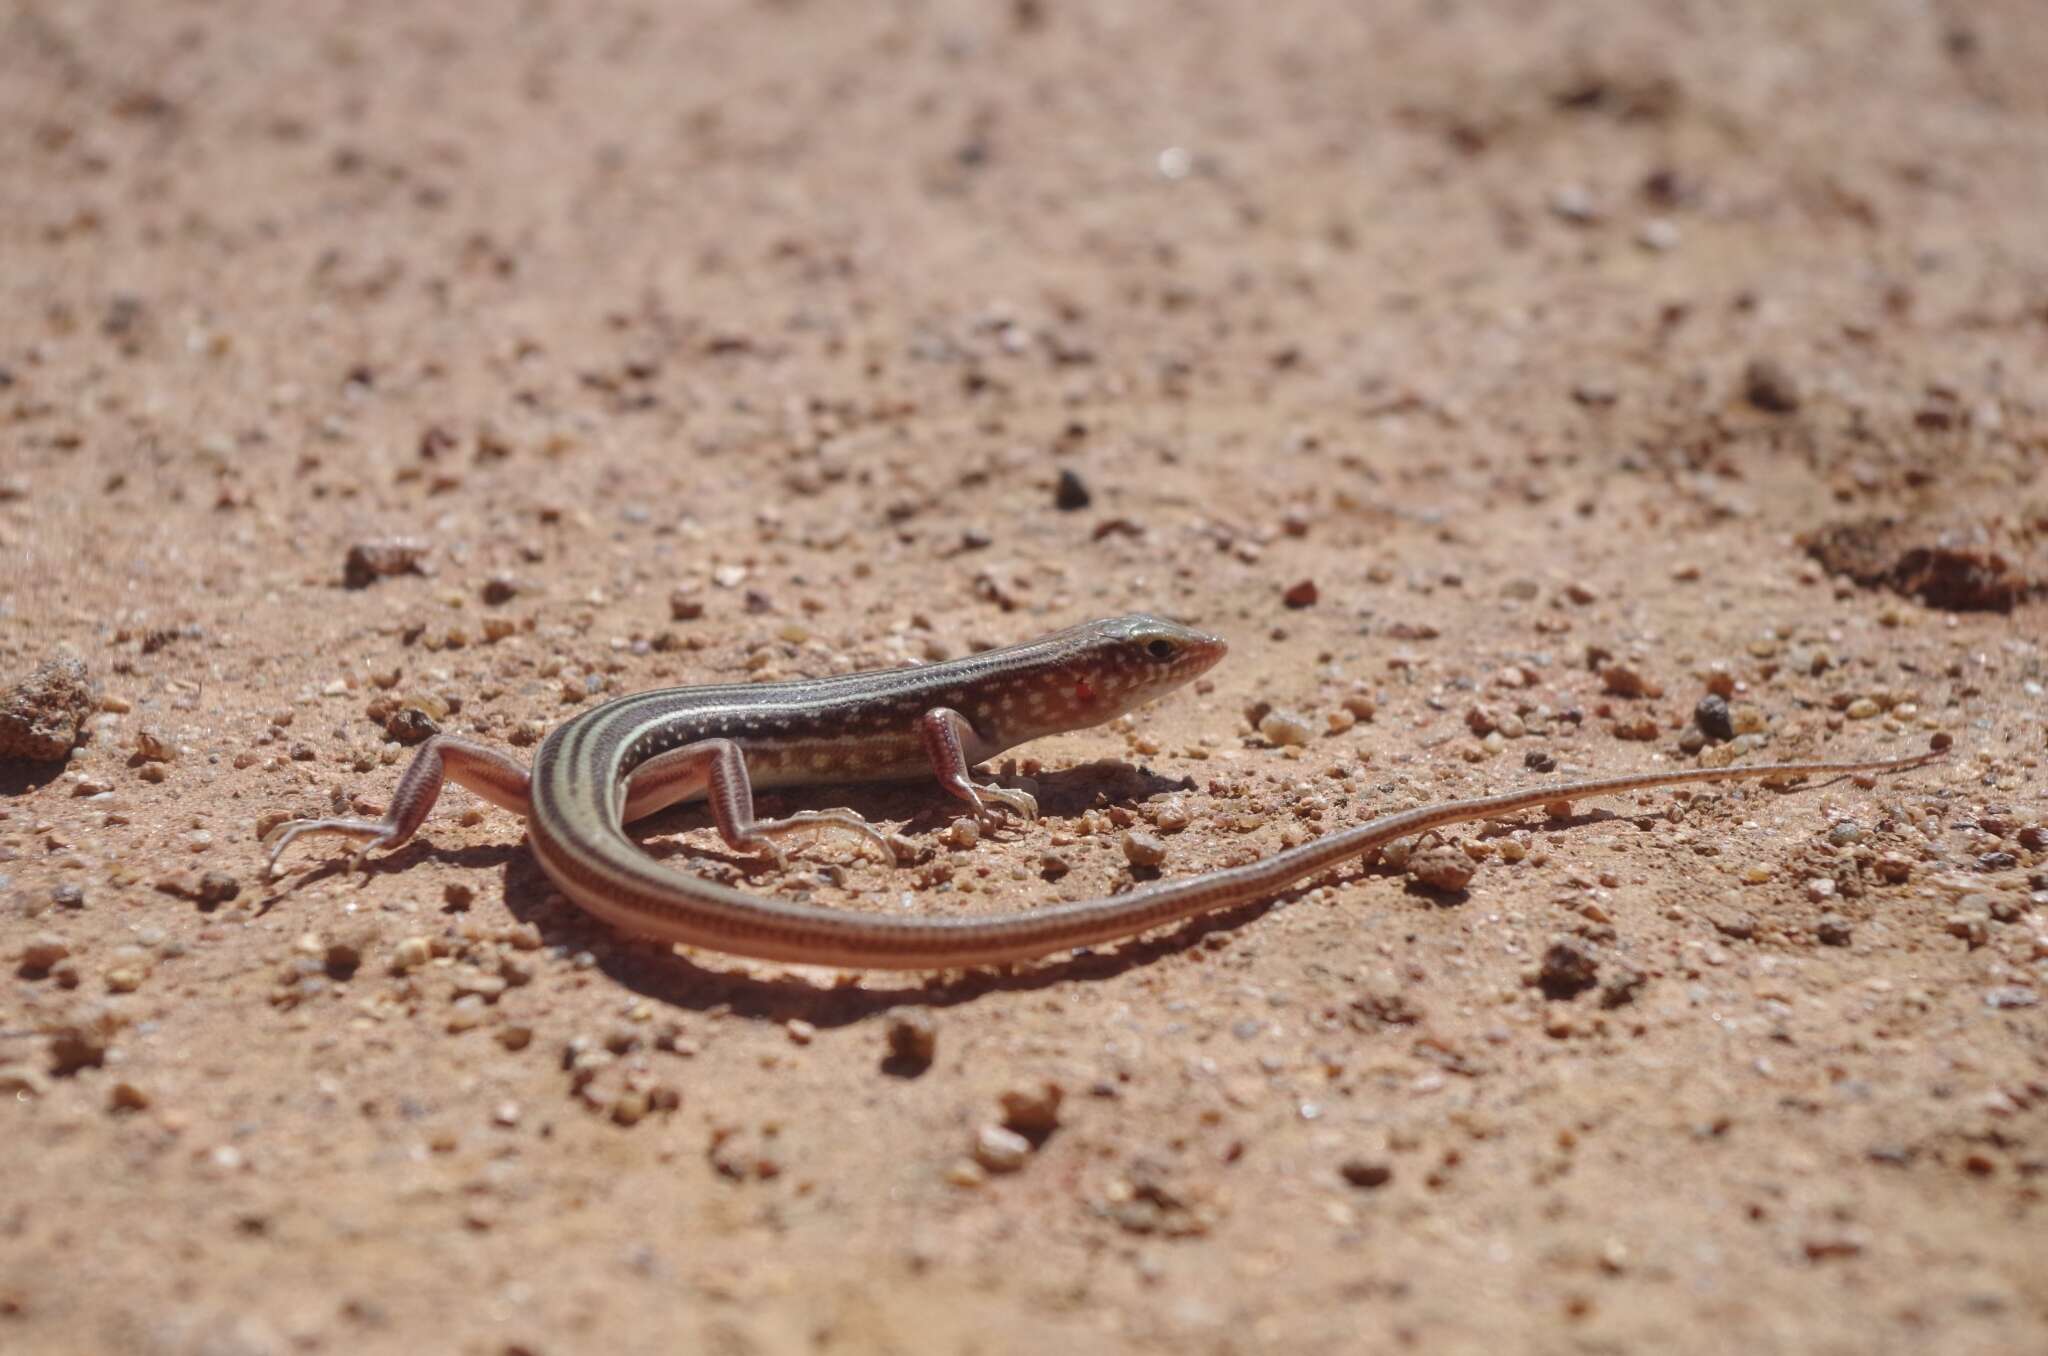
(994, 804)
(281, 836)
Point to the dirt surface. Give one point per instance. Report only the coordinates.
(1502, 381)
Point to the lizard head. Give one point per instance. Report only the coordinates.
(1092, 673)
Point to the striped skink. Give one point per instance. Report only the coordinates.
(638, 754)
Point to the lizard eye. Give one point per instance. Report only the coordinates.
(1161, 649)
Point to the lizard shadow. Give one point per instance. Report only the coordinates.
(481, 857)
(656, 971)
(659, 973)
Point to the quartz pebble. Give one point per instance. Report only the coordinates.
(999, 1149)
(1285, 728)
(1142, 849)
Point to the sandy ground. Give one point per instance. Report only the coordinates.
(1541, 339)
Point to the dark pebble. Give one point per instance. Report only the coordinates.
(913, 1038)
(1769, 387)
(1711, 714)
(410, 725)
(1366, 1174)
(217, 887)
(1569, 969)
(1071, 493)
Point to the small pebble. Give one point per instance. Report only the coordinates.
(1569, 968)
(370, 561)
(1301, 593)
(1142, 849)
(1033, 1110)
(1768, 386)
(1285, 728)
(1366, 1174)
(1071, 492)
(1833, 930)
(1711, 714)
(217, 887)
(1971, 926)
(999, 1149)
(913, 1038)
(1442, 867)
(42, 951)
(1624, 680)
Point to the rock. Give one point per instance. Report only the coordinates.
(1071, 492)
(913, 1038)
(1033, 1110)
(999, 1149)
(1624, 680)
(1712, 716)
(1768, 386)
(1366, 1174)
(1284, 728)
(1442, 867)
(42, 951)
(1569, 969)
(1143, 849)
(369, 561)
(43, 717)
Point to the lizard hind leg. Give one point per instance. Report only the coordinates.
(442, 759)
(281, 837)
